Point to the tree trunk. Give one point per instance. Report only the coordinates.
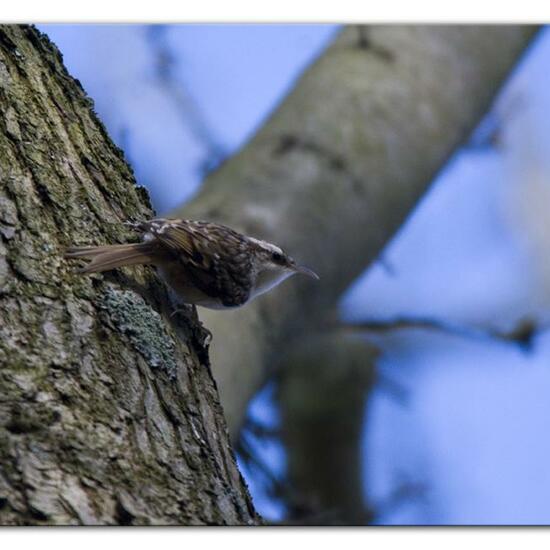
(323, 388)
(108, 410)
(336, 170)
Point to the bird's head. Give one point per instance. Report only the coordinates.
(274, 266)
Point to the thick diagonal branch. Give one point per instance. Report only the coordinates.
(339, 166)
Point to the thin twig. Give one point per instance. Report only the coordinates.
(190, 112)
(522, 335)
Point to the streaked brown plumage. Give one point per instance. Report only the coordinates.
(204, 263)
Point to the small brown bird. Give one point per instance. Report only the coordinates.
(204, 263)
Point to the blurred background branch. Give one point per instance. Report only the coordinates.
(188, 109)
(336, 170)
(521, 335)
(324, 384)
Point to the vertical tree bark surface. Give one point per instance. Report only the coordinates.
(108, 412)
(336, 170)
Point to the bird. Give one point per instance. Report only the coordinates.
(204, 263)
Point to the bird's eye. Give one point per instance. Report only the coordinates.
(277, 257)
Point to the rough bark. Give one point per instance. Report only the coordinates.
(108, 411)
(336, 170)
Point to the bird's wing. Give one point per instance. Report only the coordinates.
(214, 257)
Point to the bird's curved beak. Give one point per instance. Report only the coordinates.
(306, 271)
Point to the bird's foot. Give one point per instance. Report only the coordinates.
(207, 336)
(183, 309)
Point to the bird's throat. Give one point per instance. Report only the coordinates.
(269, 278)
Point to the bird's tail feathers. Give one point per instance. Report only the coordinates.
(104, 258)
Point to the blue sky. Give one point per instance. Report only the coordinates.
(472, 432)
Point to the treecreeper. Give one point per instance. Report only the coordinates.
(203, 263)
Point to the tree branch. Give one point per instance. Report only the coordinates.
(337, 169)
(522, 334)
